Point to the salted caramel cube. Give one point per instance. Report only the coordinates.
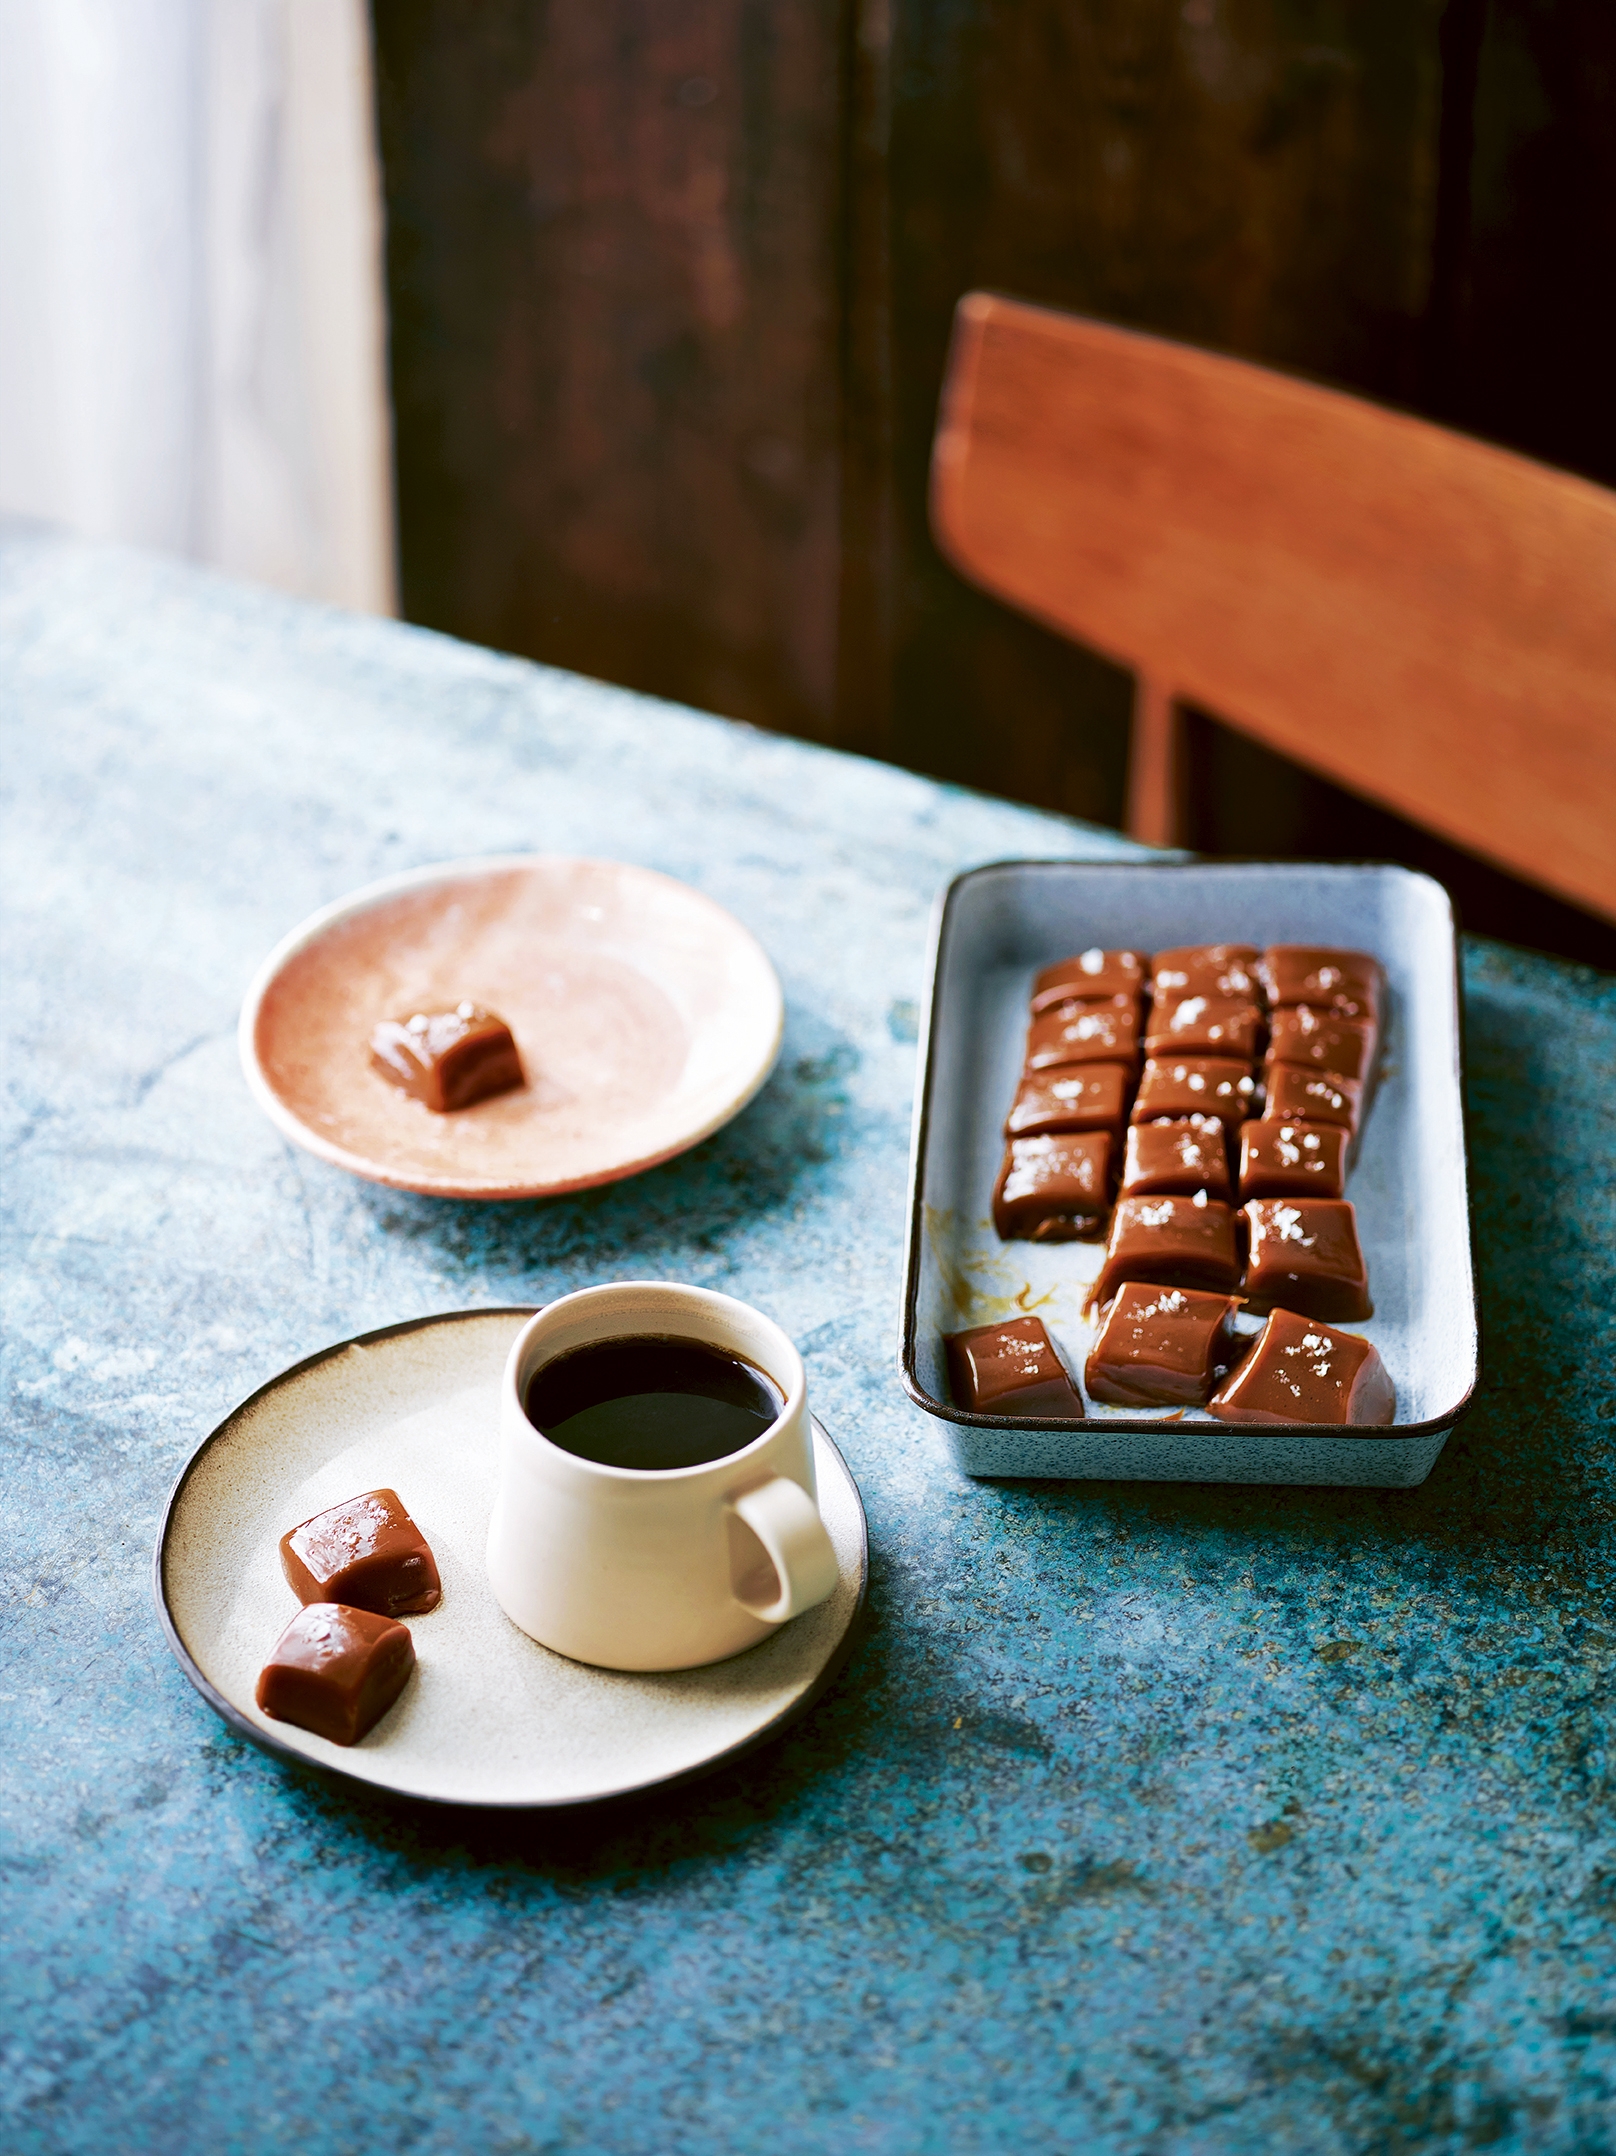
(1208, 969)
(1204, 1025)
(1292, 1094)
(1301, 1370)
(1348, 984)
(447, 1059)
(1173, 1087)
(366, 1552)
(1011, 1369)
(1176, 1159)
(1087, 1096)
(1292, 1160)
(1171, 1242)
(1304, 1255)
(1054, 1189)
(1162, 1347)
(1100, 1032)
(1088, 974)
(336, 1671)
(1339, 1047)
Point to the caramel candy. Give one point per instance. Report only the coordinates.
(1162, 1347)
(1204, 1025)
(448, 1059)
(1292, 1160)
(1208, 969)
(366, 1552)
(1089, 974)
(336, 1671)
(1171, 1242)
(1105, 1032)
(1176, 1159)
(1011, 1369)
(1295, 1095)
(1173, 1087)
(1054, 1189)
(1090, 1096)
(1305, 1256)
(1347, 984)
(1340, 1047)
(1302, 1371)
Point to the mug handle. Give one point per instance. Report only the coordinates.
(786, 1521)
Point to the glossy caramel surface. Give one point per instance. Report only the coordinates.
(1304, 1371)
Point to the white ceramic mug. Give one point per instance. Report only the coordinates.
(670, 1568)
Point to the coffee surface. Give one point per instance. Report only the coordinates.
(652, 1402)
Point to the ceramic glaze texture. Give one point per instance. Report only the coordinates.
(1146, 1818)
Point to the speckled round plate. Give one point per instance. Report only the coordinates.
(646, 1017)
(489, 1717)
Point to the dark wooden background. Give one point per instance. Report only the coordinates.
(671, 290)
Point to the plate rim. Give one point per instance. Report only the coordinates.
(267, 1741)
(1395, 1436)
(368, 895)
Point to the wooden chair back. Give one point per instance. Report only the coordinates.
(1422, 618)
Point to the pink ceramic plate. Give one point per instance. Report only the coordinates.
(646, 1017)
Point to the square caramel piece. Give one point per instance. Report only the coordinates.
(1176, 1159)
(1089, 974)
(1347, 984)
(1339, 1047)
(1304, 1371)
(336, 1671)
(1292, 1160)
(1102, 1032)
(448, 1059)
(1305, 1256)
(1011, 1369)
(1173, 1087)
(1086, 1096)
(1204, 1026)
(1172, 1243)
(366, 1552)
(1054, 1189)
(1208, 969)
(1162, 1347)
(1292, 1094)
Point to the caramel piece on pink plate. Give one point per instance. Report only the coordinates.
(1011, 1369)
(1303, 1371)
(336, 1671)
(366, 1552)
(448, 1059)
(1054, 1189)
(1162, 1347)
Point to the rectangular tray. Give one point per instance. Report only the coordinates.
(994, 928)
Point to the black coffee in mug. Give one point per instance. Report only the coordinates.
(649, 1401)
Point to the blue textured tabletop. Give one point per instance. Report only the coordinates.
(1157, 1818)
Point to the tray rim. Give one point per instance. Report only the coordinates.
(1139, 1425)
(267, 1741)
(313, 925)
